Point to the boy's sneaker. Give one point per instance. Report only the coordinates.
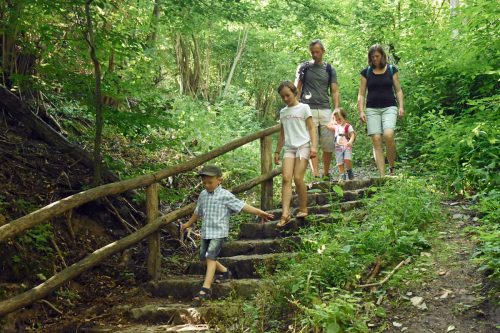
(223, 277)
(342, 177)
(350, 174)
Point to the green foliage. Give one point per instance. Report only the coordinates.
(488, 251)
(487, 254)
(25, 206)
(335, 314)
(39, 238)
(464, 151)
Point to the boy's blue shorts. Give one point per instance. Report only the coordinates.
(210, 248)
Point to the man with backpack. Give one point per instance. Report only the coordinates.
(316, 82)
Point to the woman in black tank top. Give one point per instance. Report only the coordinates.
(383, 105)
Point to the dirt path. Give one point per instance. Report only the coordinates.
(442, 291)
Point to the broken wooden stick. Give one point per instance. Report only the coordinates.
(50, 305)
(112, 209)
(404, 262)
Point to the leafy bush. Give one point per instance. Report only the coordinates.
(487, 254)
(461, 151)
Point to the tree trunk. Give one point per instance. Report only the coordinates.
(241, 47)
(454, 4)
(99, 119)
(154, 24)
(206, 80)
(188, 58)
(152, 212)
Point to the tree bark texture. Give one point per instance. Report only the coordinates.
(99, 117)
(241, 48)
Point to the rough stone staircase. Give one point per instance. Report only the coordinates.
(259, 248)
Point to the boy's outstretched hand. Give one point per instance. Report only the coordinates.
(265, 216)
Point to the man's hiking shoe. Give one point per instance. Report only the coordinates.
(342, 177)
(391, 171)
(223, 277)
(350, 174)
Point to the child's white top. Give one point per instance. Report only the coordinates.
(293, 120)
(340, 139)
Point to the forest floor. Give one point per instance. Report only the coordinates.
(443, 291)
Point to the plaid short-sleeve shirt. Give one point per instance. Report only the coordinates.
(215, 208)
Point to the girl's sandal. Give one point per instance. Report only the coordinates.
(200, 297)
(301, 215)
(284, 221)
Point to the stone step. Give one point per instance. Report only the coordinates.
(259, 246)
(186, 287)
(348, 185)
(323, 198)
(270, 230)
(186, 328)
(183, 313)
(244, 266)
(317, 209)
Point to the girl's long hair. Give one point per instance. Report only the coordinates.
(290, 85)
(377, 48)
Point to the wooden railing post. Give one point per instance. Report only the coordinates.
(152, 211)
(266, 165)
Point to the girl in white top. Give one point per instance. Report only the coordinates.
(299, 139)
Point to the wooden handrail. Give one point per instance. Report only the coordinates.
(101, 254)
(21, 224)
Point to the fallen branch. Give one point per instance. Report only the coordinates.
(59, 253)
(50, 305)
(69, 215)
(375, 271)
(112, 209)
(404, 262)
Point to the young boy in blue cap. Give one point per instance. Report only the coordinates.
(215, 205)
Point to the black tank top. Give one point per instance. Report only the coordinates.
(380, 88)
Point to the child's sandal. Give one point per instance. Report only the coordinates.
(200, 297)
(284, 221)
(223, 277)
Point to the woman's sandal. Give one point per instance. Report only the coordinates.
(223, 277)
(301, 215)
(284, 220)
(200, 297)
